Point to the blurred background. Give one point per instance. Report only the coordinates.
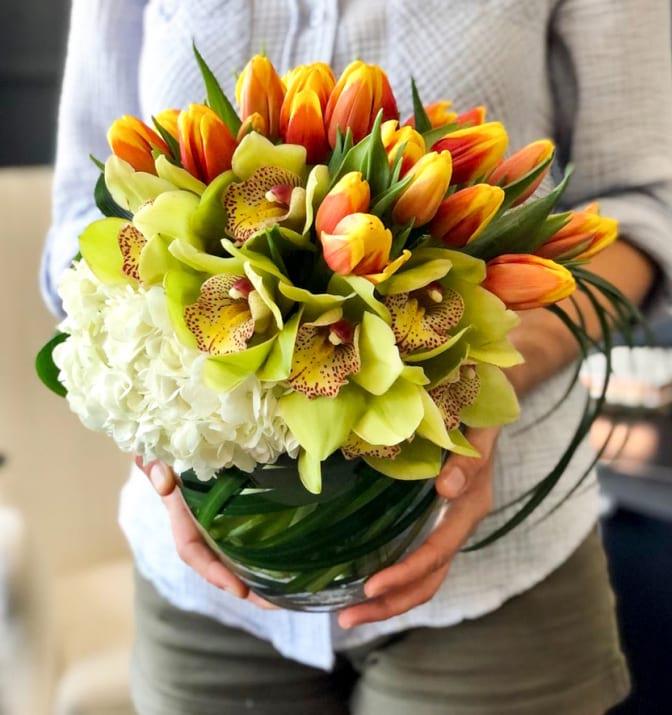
(65, 573)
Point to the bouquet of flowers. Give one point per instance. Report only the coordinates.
(300, 305)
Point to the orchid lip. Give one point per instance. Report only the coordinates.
(241, 289)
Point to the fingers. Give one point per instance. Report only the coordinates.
(467, 484)
(193, 550)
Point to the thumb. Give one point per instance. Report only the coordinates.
(160, 475)
(458, 469)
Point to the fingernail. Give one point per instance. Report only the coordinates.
(453, 483)
(161, 478)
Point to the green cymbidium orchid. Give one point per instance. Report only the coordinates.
(130, 188)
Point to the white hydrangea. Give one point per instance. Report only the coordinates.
(128, 376)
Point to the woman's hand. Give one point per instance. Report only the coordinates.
(191, 547)
(465, 482)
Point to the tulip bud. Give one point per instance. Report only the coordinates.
(167, 119)
(360, 244)
(421, 198)
(302, 113)
(523, 281)
(206, 143)
(521, 163)
(360, 93)
(472, 117)
(259, 90)
(475, 150)
(133, 141)
(463, 215)
(253, 123)
(439, 114)
(404, 139)
(351, 194)
(584, 235)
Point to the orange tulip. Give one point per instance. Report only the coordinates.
(475, 150)
(351, 194)
(206, 144)
(586, 234)
(360, 93)
(259, 90)
(463, 215)
(523, 281)
(405, 139)
(421, 198)
(359, 244)
(133, 141)
(521, 163)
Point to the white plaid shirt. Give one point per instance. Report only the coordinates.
(602, 91)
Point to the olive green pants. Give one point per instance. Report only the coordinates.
(550, 651)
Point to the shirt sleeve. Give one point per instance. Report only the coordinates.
(100, 83)
(612, 73)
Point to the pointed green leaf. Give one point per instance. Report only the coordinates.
(520, 230)
(46, 368)
(217, 100)
(105, 203)
(422, 123)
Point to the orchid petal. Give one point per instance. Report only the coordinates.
(129, 188)
(496, 403)
(381, 364)
(419, 459)
(99, 246)
(176, 175)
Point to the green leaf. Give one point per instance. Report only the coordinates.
(217, 100)
(46, 368)
(105, 203)
(381, 364)
(167, 137)
(422, 123)
(517, 188)
(386, 199)
(520, 230)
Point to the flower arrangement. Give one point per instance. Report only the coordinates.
(305, 286)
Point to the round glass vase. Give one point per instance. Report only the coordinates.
(304, 551)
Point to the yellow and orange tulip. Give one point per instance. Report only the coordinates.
(317, 77)
(473, 117)
(405, 139)
(475, 150)
(206, 144)
(585, 234)
(463, 215)
(259, 90)
(429, 183)
(521, 163)
(360, 93)
(523, 281)
(351, 194)
(167, 119)
(359, 244)
(439, 114)
(133, 141)
(306, 126)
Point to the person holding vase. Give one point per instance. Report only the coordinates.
(525, 625)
